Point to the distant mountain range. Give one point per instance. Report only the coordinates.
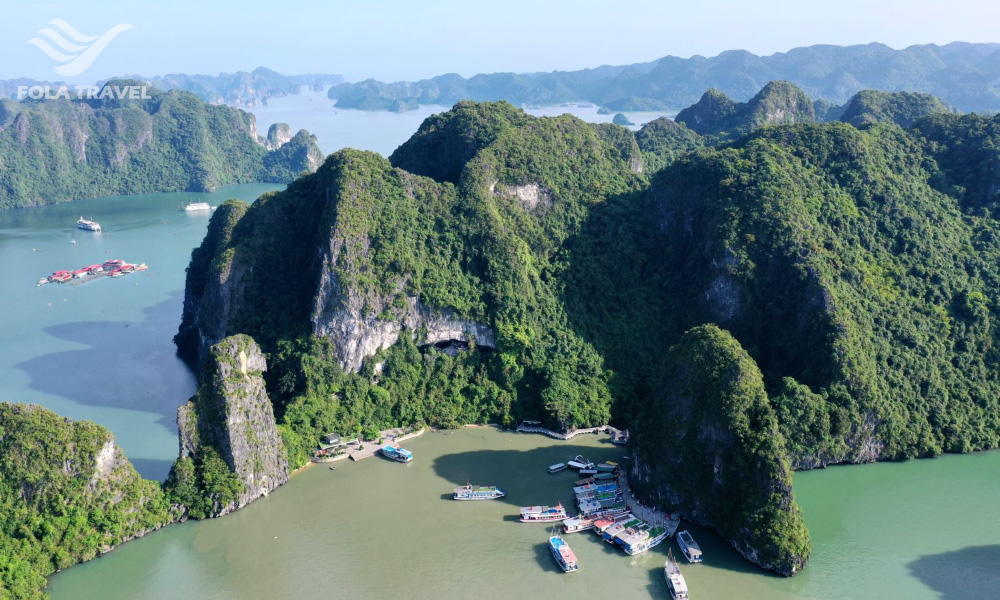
(242, 88)
(962, 74)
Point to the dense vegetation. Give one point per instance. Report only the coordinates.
(716, 115)
(962, 74)
(471, 249)
(708, 445)
(60, 150)
(902, 108)
(67, 494)
(828, 252)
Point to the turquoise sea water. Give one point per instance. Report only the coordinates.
(102, 350)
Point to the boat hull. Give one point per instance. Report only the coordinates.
(542, 519)
(462, 499)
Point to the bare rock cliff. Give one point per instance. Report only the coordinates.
(233, 414)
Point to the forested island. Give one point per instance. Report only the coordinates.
(69, 149)
(749, 290)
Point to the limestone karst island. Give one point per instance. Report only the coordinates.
(397, 300)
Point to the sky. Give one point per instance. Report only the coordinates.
(391, 41)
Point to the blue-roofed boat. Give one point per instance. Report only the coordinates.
(397, 454)
(563, 554)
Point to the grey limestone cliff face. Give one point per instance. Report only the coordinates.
(352, 321)
(278, 135)
(233, 413)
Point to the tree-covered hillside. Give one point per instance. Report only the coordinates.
(848, 272)
(67, 494)
(61, 150)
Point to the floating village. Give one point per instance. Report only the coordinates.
(110, 268)
(114, 267)
(604, 504)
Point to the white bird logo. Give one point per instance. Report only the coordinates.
(81, 56)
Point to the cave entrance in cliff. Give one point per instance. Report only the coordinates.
(452, 347)
(449, 347)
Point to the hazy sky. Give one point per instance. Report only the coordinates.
(415, 39)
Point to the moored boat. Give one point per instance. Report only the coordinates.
(690, 548)
(563, 554)
(477, 492)
(543, 514)
(557, 467)
(579, 462)
(397, 454)
(640, 539)
(578, 523)
(675, 581)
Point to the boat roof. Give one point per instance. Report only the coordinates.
(557, 465)
(632, 536)
(564, 550)
(677, 581)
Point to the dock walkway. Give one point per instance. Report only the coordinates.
(668, 521)
(572, 433)
(390, 437)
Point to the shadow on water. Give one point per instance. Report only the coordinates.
(151, 468)
(127, 365)
(965, 574)
(545, 560)
(502, 469)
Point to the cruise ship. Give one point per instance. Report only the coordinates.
(397, 454)
(478, 492)
(543, 514)
(196, 206)
(88, 225)
(690, 548)
(563, 554)
(675, 581)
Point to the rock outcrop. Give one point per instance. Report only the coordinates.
(233, 415)
(340, 316)
(779, 103)
(709, 448)
(278, 135)
(68, 494)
